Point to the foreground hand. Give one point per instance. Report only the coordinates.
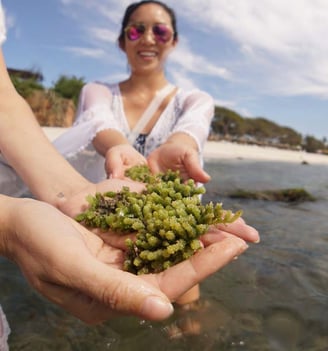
(77, 202)
(119, 158)
(77, 270)
(178, 156)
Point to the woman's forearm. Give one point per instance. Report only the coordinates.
(24, 145)
(108, 138)
(183, 138)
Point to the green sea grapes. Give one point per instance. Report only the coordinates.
(167, 217)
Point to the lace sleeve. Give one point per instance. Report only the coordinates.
(197, 111)
(94, 114)
(95, 104)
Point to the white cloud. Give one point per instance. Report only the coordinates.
(279, 47)
(181, 79)
(103, 34)
(86, 52)
(11, 23)
(109, 14)
(195, 63)
(282, 44)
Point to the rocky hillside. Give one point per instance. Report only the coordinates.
(50, 109)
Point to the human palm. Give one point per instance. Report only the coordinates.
(81, 271)
(178, 157)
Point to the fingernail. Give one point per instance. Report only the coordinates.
(156, 307)
(243, 247)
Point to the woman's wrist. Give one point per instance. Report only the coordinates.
(63, 194)
(107, 139)
(184, 139)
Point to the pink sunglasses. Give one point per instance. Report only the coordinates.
(161, 32)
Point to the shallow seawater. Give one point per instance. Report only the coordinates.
(274, 297)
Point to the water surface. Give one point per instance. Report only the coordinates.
(274, 297)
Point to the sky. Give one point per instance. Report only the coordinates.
(265, 58)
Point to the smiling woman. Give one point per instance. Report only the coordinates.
(144, 119)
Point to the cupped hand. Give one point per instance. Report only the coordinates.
(178, 156)
(81, 273)
(121, 157)
(77, 202)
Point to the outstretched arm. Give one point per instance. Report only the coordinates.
(47, 174)
(83, 274)
(183, 149)
(23, 143)
(179, 152)
(119, 154)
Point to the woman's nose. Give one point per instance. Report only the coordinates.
(149, 36)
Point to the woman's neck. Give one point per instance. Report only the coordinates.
(144, 83)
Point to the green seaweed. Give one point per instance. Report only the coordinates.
(167, 217)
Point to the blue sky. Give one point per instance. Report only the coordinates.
(265, 58)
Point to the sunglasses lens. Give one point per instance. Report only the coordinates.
(162, 32)
(134, 32)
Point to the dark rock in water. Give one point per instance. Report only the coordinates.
(292, 195)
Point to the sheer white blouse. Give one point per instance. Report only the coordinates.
(101, 107)
(2, 26)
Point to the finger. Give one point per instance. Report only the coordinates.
(118, 184)
(79, 305)
(194, 169)
(204, 263)
(120, 291)
(117, 240)
(153, 165)
(114, 165)
(240, 229)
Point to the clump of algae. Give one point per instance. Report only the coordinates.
(167, 217)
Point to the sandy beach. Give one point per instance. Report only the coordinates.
(227, 150)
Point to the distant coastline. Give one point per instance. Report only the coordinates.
(216, 150)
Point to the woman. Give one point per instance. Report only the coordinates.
(144, 119)
(60, 258)
(108, 119)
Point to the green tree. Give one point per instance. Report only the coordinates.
(290, 136)
(69, 87)
(26, 86)
(311, 144)
(227, 122)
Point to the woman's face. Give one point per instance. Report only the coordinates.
(148, 52)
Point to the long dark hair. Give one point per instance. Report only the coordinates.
(131, 8)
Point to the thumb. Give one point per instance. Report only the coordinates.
(114, 165)
(194, 168)
(122, 292)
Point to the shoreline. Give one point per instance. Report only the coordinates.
(215, 150)
(224, 150)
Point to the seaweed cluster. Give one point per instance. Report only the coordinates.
(167, 217)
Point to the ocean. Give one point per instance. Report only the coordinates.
(274, 297)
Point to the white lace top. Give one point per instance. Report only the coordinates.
(101, 107)
(2, 26)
